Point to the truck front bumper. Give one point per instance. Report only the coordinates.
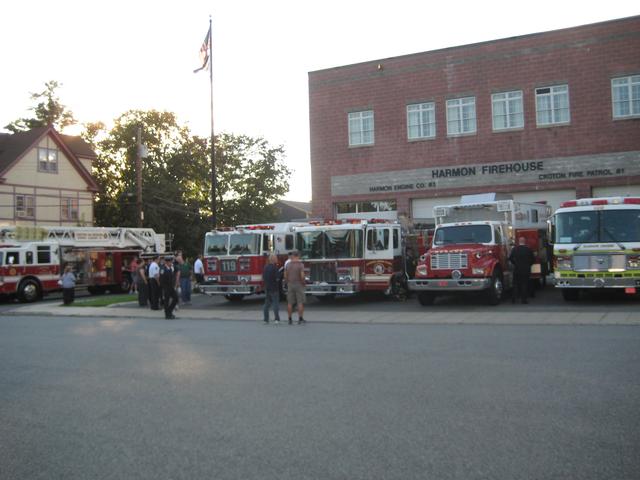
(596, 281)
(323, 289)
(232, 289)
(449, 284)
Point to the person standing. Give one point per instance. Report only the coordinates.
(68, 283)
(198, 269)
(154, 283)
(168, 280)
(271, 290)
(133, 271)
(522, 258)
(294, 276)
(185, 281)
(143, 283)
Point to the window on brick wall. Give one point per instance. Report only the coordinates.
(625, 94)
(507, 110)
(25, 206)
(366, 207)
(69, 208)
(461, 116)
(552, 105)
(361, 128)
(421, 121)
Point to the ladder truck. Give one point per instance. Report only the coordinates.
(32, 259)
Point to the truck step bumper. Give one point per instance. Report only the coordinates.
(449, 284)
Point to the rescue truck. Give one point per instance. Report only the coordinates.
(32, 258)
(597, 245)
(344, 257)
(471, 246)
(234, 258)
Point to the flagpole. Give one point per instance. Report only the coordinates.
(214, 181)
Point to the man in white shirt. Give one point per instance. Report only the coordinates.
(154, 283)
(198, 269)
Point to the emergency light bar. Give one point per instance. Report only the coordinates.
(583, 202)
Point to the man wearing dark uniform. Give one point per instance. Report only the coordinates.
(168, 284)
(522, 258)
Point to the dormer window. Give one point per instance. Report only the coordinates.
(48, 160)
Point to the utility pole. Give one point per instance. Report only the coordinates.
(139, 152)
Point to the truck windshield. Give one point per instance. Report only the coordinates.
(244, 243)
(216, 244)
(310, 244)
(463, 234)
(598, 226)
(343, 243)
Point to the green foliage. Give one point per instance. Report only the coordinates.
(176, 177)
(48, 111)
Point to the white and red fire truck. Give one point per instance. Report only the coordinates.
(344, 257)
(234, 258)
(597, 245)
(471, 246)
(32, 258)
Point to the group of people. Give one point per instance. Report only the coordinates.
(293, 276)
(158, 281)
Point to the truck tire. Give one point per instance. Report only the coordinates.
(570, 294)
(496, 288)
(234, 298)
(124, 286)
(29, 291)
(426, 298)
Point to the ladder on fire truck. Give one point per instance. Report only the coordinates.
(104, 237)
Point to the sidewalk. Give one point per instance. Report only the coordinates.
(351, 314)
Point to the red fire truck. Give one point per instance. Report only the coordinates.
(471, 246)
(234, 258)
(343, 257)
(32, 258)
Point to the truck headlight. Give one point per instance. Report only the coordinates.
(633, 261)
(563, 263)
(477, 271)
(421, 270)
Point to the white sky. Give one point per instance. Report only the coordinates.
(140, 54)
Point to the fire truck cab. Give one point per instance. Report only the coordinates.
(234, 258)
(597, 245)
(32, 258)
(471, 246)
(343, 257)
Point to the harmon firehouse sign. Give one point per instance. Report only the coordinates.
(543, 171)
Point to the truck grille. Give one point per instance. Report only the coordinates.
(448, 261)
(598, 263)
(228, 265)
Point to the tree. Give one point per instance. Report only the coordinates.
(48, 111)
(176, 176)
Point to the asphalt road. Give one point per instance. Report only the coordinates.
(140, 398)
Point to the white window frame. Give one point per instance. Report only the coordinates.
(69, 208)
(426, 113)
(47, 160)
(630, 82)
(27, 209)
(461, 105)
(555, 91)
(508, 98)
(358, 135)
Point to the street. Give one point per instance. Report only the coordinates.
(144, 398)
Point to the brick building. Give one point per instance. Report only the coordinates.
(547, 117)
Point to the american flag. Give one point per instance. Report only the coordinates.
(204, 53)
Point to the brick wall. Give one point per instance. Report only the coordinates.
(585, 58)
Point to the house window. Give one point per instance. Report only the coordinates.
(552, 105)
(421, 121)
(47, 160)
(507, 110)
(461, 116)
(625, 93)
(361, 128)
(25, 206)
(69, 208)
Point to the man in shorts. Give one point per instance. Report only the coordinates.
(294, 276)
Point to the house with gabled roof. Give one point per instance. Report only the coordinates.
(45, 179)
